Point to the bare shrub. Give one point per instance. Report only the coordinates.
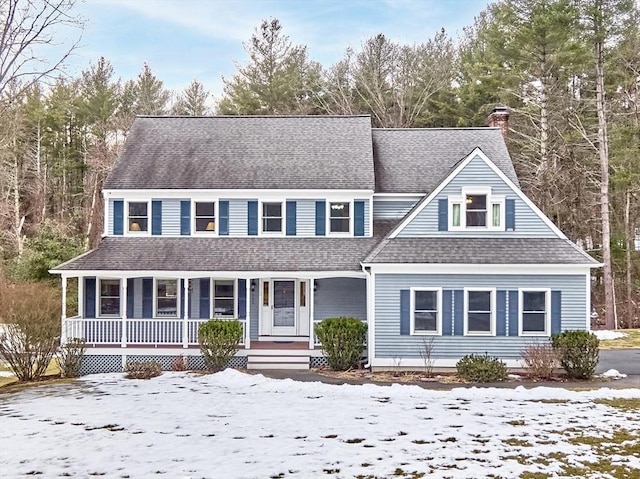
(31, 313)
(70, 356)
(142, 369)
(426, 353)
(179, 363)
(540, 360)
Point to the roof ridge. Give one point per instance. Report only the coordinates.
(446, 128)
(251, 116)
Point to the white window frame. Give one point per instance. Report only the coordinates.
(128, 232)
(155, 298)
(412, 303)
(215, 214)
(492, 331)
(547, 305)
(328, 219)
(212, 297)
(99, 297)
(283, 212)
(491, 201)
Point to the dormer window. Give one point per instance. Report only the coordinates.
(138, 217)
(339, 217)
(476, 209)
(205, 217)
(272, 217)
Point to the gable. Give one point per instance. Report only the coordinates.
(477, 173)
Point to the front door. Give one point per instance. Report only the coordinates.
(284, 307)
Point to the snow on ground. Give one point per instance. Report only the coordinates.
(613, 374)
(605, 334)
(236, 425)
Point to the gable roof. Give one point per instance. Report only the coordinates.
(416, 160)
(238, 152)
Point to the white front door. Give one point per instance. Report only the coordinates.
(284, 310)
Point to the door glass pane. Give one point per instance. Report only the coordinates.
(284, 303)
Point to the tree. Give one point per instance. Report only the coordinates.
(192, 101)
(279, 78)
(151, 96)
(28, 50)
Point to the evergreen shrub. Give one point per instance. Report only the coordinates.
(219, 341)
(578, 352)
(481, 368)
(342, 341)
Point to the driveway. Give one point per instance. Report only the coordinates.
(626, 361)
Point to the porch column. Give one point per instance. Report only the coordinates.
(312, 299)
(185, 322)
(63, 332)
(247, 320)
(123, 311)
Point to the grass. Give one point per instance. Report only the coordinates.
(52, 370)
(631, 341)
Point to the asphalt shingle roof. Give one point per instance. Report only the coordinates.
(449, 250)
(416, 160)
(257, 152)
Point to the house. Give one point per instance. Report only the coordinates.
(281, 222)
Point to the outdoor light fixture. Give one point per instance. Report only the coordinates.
(253, 285)
(315, 285)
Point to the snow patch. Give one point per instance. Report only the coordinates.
(605, 334)
(613, 374)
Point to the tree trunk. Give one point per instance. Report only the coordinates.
(630, 310)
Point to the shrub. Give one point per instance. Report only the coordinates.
(142, 369)
(578, 352)
(32, 330)
(179, 363)
(69, 358)
(342, 341)
(219, 341)
(540, 360)
(481, 369)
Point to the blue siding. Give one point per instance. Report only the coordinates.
(391, 210)
(156, 217)
(291, 218)
(185, 218)
(252, 218)
(223, 212)
(305, 218)
(170, 217)
(118, 217)
(342, 297)
(389, 343)
(321, 218)
(478, 173)
(238, 217)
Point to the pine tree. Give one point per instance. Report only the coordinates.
(192, 101)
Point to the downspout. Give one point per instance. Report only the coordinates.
(370, 308)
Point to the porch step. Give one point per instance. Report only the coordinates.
(277, 359)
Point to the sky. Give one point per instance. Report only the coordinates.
(236, 425)
(201, 39)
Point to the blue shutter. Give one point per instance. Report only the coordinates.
(252, 214)
(447, 312)
(458, 312)
(242, 299)
(156, 217)
(501, 313)
(358, 218)
(513, 313)
(405, 312)
(204, 298)
(510, 214)
(443, 214)
(147, 298)
(185, 218)
(118, 217)
(90, 297)
(181, 294)
(556, 312)
(291, 218)
(321, 218)
(223, 208)
(130, 297)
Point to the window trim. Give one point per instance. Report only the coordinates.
(99, 297)
(491, 201)
(492, 331)
(547, 305)
(283, 215)
(328, 219)
(155, 298)
(412, 302)
(127, 231)
(212, 297)
(215, 217)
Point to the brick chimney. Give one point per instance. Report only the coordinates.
(500, 117)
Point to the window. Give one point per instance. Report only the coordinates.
(339, 217)
(425, 311)
(476, 209)
(479, 306)
(205, 217)
(272, 217)
(534, 312)
(109, 297)
(138, 217)
(167, 298)
(223, 298)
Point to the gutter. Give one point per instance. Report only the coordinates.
(367, 272)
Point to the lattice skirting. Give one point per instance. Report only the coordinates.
(95, 364)
(318, 362)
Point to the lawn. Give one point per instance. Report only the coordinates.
(628, 338)
(237, 425)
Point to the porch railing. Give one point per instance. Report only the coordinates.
(96, 331)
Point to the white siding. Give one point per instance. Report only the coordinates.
(305, 217)
(171, 217)
(238, 217)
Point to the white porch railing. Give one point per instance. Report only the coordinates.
(139, 331)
